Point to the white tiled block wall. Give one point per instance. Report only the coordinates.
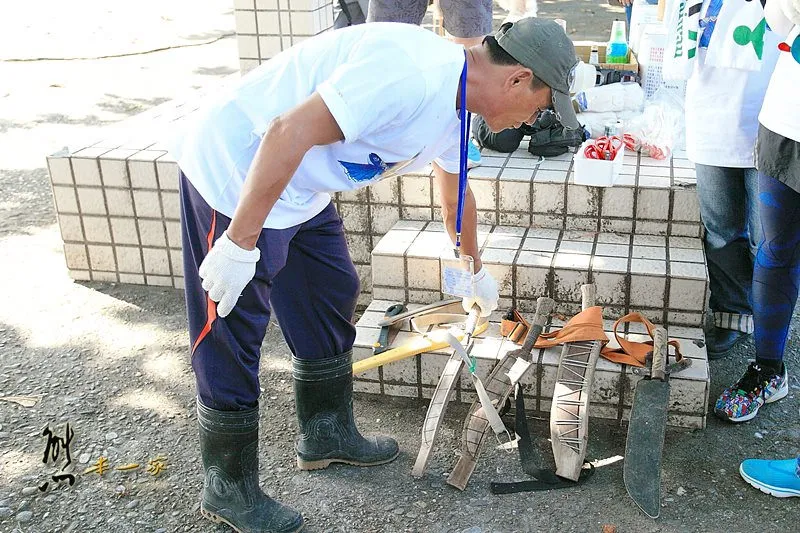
(632, 272)
(117, 222)
(264, 28)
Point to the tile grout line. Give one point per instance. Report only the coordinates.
(107, 216)
(80, 217)
(172, 273)
(667, 270)
(291, 32)
(258, 33)
(551, 273)
(566, 196)
(514, 292)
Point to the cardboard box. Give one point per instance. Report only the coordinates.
(584, 49)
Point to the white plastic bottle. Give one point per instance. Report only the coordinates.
(613, 97)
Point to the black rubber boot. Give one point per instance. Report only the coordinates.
(323, 392)
(229, 446)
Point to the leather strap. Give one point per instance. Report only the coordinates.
(514, 327)
(588, 326)
(635, 353)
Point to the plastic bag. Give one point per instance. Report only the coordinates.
(660, 129)
(595, 123)
(614, 97)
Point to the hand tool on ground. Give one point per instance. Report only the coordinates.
(645, 444)
(422, 321)
(436, 307)
(499, 385)
(442, 395)
(382, 344)
(569, 411)
(544, 478)
(568, 417)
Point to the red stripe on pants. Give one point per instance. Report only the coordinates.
(211, 305)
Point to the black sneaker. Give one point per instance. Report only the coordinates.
(742, 400)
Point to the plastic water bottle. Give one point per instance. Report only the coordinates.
(615, 97)
(617, 49)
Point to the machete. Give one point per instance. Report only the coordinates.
(383, 339)
(645, 443)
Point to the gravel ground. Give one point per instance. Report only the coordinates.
(112, 360)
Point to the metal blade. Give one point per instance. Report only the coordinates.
(645, 445)
(383, 341)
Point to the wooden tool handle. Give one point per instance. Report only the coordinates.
(588, 295)
(472, 321)
(544, 306)
(660, 354)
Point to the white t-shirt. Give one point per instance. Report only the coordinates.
(391, 88)
(722, 106)
(781, 111)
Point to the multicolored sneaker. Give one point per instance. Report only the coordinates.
(778, 478)
(741, 401)
(473, 155)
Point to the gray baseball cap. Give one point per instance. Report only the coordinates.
(542, 46)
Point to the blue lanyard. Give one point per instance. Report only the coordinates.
(462, 171)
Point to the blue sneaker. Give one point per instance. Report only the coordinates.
(778, 478)
(473, 155)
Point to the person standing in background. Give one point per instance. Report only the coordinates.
(776, 274)
(777, 271)
(722, 106)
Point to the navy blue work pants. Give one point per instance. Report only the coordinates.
(305, 275)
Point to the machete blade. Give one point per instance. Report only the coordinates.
(645, 444)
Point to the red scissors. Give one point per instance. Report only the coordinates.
(604, 148)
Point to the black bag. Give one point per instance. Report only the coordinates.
(505, 141)
(548, 137)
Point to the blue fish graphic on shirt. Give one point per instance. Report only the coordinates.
(359, 172)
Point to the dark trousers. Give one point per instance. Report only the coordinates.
(728, 208)
(776, 275)
(305, 275)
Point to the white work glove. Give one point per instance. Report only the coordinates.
(226, 271)
(486, 295)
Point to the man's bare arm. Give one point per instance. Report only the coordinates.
(448, 191)
(282, 148)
